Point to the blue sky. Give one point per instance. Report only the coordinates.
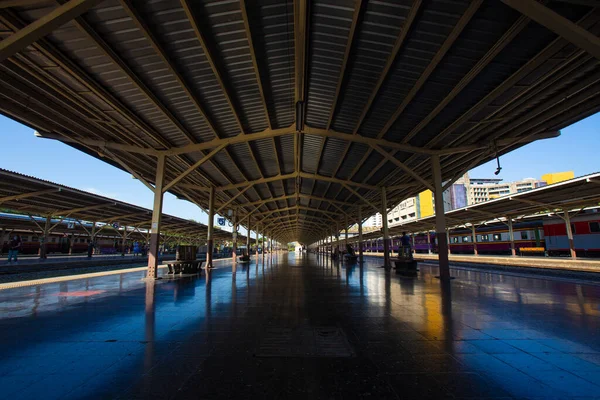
(576, 149)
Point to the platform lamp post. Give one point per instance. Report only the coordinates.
(211, 224)
(156, 218)
(440, 219)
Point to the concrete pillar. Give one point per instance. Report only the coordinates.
(386, 234)
(511, 237)
(44, 244)
(71, 238)
(570, 234)
(412, 235)
(360, 238)
(449, 241)
(474, 238)
(156, 218)
(211, 225)
(440, 218)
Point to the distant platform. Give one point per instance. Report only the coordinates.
(550, 263)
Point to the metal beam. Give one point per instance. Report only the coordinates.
(80, 209)
(43, 26)
(27, 195)
(558, 24)
(241, 192)
(100, 144)
(336, 180)
(240, 138)
(300, 45)
(194, 167)
(401, 165)
(361, 197)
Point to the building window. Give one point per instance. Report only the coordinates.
(497, 236)
(524, 235)
(595, 227)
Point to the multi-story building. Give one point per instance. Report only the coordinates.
(556, 177)
(466, 191)
(374, 221)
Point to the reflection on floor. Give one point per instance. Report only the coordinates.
(301, 327)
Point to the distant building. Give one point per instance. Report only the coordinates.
(556, 177)
(466, 191)
(374, 221)
(481, 190)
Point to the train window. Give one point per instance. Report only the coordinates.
(497, 236)
(53, 240)
(573, 231)
(524, 235)
(466, 239)
(485, 238)
(594, 227)
(454, 239)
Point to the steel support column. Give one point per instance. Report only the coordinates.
(511, 237)
(474, 237)
(570, 234)
(156, 218)
(43, 245)
(234, 238)
(440, 218)
(346, 232)
(123, 241)
(211, 224)
(248, 237)
(256, 250)
(386, 234)
(429, 242)
(360, 238)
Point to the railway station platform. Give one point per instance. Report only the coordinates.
(530, 262)
(301, 326)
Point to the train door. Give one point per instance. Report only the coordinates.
(63, 246)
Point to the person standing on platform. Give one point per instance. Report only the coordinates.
(13, 248)
(406, 250)
(136, 248)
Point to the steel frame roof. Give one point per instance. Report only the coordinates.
(28, 195)
(298, 112)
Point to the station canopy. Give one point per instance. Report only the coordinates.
(36, 197)
(299, 112)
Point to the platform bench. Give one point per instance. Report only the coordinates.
(532, 251)
(185, 267)
(406, 266)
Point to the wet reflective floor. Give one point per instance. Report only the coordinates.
(302, 327)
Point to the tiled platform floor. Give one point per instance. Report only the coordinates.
(302, 328)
